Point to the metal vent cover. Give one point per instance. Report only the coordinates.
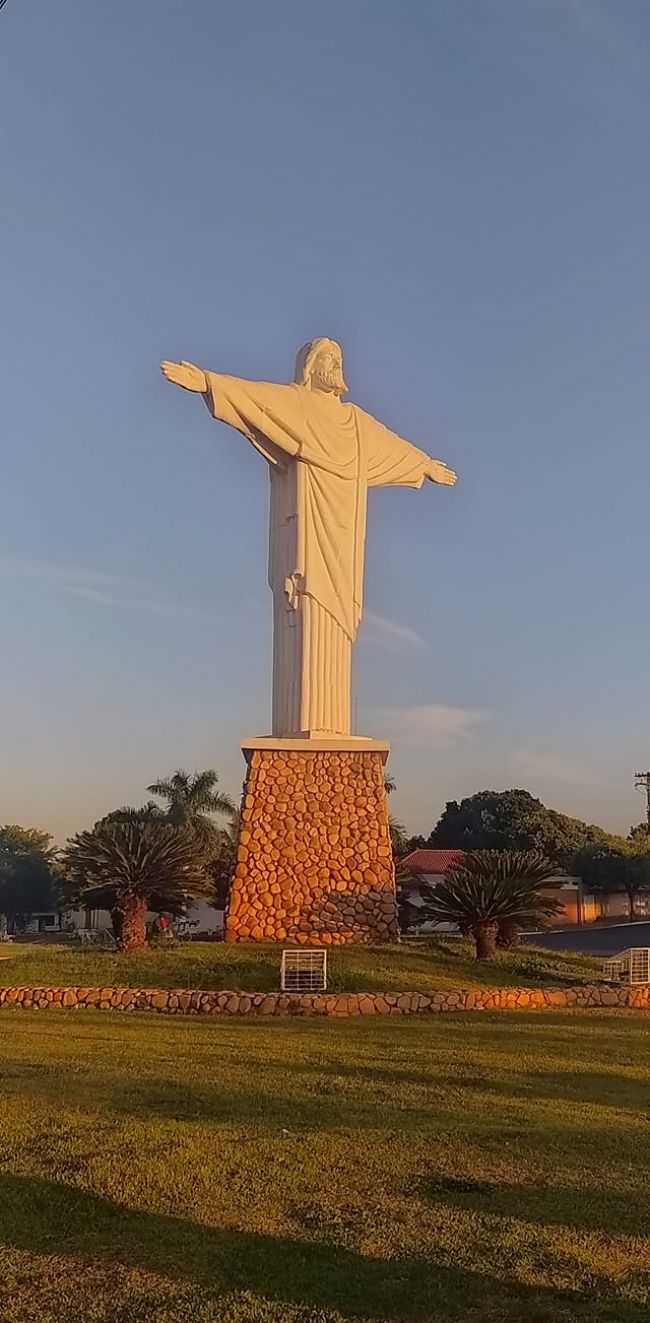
(631, 966)
(304, 969)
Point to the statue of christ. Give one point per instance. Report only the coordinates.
(323, 453)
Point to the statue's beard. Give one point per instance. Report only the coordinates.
(330, 381)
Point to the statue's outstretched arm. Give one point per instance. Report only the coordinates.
(440, 472)
(395, 462)
(185, 374)
(267, 414)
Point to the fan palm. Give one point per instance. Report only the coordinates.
(489, 888)
(131, 866)
(149, 812)
(191, 799)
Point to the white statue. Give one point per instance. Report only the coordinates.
(323, 454)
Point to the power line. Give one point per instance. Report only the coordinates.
(642, 782)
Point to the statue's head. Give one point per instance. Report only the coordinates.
(319, 366)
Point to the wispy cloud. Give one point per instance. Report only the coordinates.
(547, 766)
(91, 594)
(432, 725)
(111, 590)
(380, 629)
(50, 572)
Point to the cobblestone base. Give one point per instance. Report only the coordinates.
(314, 860)
(181, 1002)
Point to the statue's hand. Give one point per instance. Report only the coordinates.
(184, 374)
(439, 472)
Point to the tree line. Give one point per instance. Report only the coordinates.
(155, 857)
(515, 820)
(180, 845)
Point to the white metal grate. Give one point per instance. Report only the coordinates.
(614, 969)
(304, 969)
(631, 966)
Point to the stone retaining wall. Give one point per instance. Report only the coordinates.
(179, 1001)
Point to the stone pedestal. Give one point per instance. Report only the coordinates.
(314, 860)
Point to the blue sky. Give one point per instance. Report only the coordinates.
(460, 194)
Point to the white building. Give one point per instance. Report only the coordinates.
(204, 920)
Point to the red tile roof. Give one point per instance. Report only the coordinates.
(431, 861)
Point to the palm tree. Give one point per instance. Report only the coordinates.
(490, 888)
(190, 801)
(398, 837)
(129, 867)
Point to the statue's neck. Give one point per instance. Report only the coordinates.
(326, 394)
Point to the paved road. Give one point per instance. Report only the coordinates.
(595, 939)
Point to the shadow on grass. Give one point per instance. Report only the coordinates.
(326, 1107)
(594, 1088)
(337, 1096)
(584, 1210)
(44, 1218)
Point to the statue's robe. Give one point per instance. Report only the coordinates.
(323, 454)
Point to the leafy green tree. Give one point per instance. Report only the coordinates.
(131, 866)
(489, 888)
(514, 820)
(618, 866)
(416, 843)
(29, 881)
(28, 886)
(16, 840)
(640, 833)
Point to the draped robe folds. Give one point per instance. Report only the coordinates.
(323, 455)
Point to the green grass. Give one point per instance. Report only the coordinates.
(461, 1169)
(415, 965)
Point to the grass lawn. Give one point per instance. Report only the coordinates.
(412, 965)
(461, 1169)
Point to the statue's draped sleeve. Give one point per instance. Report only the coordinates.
(391, 461)
(267, 414)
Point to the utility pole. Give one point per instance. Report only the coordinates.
(642, 782)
